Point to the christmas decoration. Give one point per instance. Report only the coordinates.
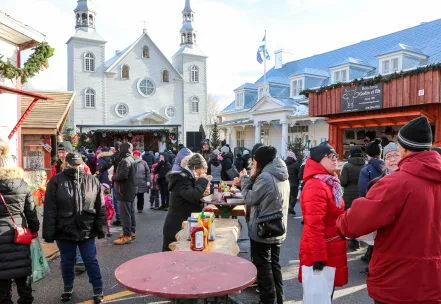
(38, 61)
(375, 80)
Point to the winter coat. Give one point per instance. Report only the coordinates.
(293, 172)
(125, 175)
(74, 208)
(262, 195)
(373, 169)
(320, 213)
(149, 158)
(15, 259)
(238, 162)
(349, 177)
(155, 185)
(110, 209)
(246, 163)
(301, 171)
(404, 209)
(142, 176)
(215, 169)
(58, 166)
(227, 163)
(185, 198)
(205, 154)
(104, 161)
(162, 169)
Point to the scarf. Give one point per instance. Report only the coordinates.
(334, 182)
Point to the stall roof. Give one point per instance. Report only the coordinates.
(19, 33)
(47, 116)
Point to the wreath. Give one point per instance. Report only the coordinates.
(36, 62)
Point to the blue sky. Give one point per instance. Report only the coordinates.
(230, 31)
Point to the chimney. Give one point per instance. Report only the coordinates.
(283, 56)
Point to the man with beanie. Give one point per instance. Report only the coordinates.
(374, 167)
(404, 209)
(125, 186)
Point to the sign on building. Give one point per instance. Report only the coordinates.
(362, 98)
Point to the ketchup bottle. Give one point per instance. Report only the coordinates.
(197, 238)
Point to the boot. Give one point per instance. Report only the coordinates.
(67, 293)
(367, 256)
(133, 235)
(123, 240)
(98, 296)
(117, 223)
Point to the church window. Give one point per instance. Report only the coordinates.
(194, 74)
(122, 109)
(146, 87)
(183, 38)
(145, 52)
(195, 105)
(90, 98)
(189, 38)
(78, 19)
(170, 111)
(84, 18)
(165, 76)
(91, 20)
(125, 71)
(89, 62)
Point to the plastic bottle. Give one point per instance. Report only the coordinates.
(216, 193)
(197, 238)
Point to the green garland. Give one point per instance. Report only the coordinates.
(33, 65)
(375, 80)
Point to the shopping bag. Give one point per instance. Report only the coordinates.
(317, 287)
(368, 238)
(40, 267)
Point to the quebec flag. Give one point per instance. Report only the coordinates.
(261, 50)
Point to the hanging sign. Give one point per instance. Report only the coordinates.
(362, 98)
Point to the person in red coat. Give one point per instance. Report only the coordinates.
(322, 203)
(404, 208)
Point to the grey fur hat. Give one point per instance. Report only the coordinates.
(196, 161)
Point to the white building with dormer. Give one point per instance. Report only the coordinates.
(138, 94)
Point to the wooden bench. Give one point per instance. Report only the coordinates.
(237, 211)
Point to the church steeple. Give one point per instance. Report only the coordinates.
(188, 33)
(85, 15)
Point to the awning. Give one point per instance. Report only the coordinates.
(379, 120)
(36, 97)
(152, 115)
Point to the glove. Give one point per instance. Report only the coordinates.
(101, 234)
(49, 241)
(318, 266)
(34, 235)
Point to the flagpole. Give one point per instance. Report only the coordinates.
(264, 68)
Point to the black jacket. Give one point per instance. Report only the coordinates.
(301, 171)
(185, 198)
(104, 161)
(293, 171)
(162, 168)
(227, 163)
(149, 158)
(238, 162)
(349, 177)
(125, 175)
(246, 160)
(74, 207)
(15, 259)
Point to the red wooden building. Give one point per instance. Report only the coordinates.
(403, 99)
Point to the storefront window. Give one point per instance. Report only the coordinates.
(264, 137)
(240, 138)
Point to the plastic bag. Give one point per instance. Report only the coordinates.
(317, 287)
(368, 238)
(40, 267)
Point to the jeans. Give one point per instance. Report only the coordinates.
(269, 273)
(164, 194)
(154, 198)
(128, 217)
(116, 205)
(140, 201)
(78, 258)
(88, 252)
(24, 290)
(293, 197)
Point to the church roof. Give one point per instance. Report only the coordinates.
(190, 50)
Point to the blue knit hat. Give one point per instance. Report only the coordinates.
(181, 155)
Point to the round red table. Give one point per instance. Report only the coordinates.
(186, 275)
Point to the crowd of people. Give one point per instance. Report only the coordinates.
(386, 189)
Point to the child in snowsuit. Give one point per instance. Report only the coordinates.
(110, 210)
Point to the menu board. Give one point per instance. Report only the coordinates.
(362, 98)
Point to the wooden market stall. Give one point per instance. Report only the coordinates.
(41, 129)
(381, 105)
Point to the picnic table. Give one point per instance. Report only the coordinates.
(186, 276)
(225, 206)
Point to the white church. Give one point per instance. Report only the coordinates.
(137, 95)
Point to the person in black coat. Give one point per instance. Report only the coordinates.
(162, 168)
(293, 171)
(238, 162)
(205, 149)
(187, 187)
(350, 175)
(74, 215)
(15, 259)
(104, 161)
(226, 159)
(149, 158)
(246, 161)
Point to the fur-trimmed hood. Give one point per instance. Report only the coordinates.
(103, 154)
(11, 173)
(4, 147)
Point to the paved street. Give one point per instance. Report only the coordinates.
(149, 240)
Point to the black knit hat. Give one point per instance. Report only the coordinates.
(355, 151)
(264, 155)
(65, 146)
(374, 148)
(416, 135)
(105, 149)
(317, 153)
(256, 146)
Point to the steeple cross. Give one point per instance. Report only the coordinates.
(145, 28)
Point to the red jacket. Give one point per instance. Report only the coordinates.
(405, 210)
(319, 214)
(56, 168)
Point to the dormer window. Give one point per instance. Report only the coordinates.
(296, 87)
(125, 71)
(390, 65)
(340, 76)
(145, 52)
(240, 97)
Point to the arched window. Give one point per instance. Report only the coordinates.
(91, 20)
(78, 19)
(165, 76)
(89, 62)
(194, 105)
(145, 52)
(90, 98)
(183, 38)
(194, 74)
(84, 18)
(125, 71)
(189, 38)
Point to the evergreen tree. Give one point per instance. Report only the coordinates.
(215, 138)
(67, 136)
(202, 130)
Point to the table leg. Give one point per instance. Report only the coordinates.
(225, 211)
(185, 301)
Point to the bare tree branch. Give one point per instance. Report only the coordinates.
(212, 109)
